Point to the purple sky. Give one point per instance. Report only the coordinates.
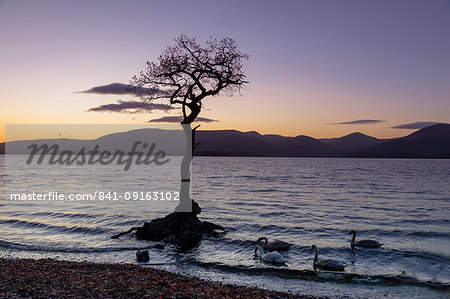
(312, 63)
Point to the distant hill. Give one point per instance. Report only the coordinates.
(433, 142)
(353, 142)
(430, 142)
(236, 143)
(172, 141)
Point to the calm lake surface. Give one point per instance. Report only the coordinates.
(402, 203)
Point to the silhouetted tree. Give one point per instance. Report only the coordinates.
(186, 73)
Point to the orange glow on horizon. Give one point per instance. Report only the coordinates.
(311, 130)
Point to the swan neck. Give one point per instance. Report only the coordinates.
(259, 250)
(316, 255)
(353, 240)
(265, 241)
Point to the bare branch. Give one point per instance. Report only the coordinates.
(186, 73)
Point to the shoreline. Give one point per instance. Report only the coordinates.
(55, 279)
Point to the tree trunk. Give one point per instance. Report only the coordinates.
(195, 110)
(185, 204)
(181, 227)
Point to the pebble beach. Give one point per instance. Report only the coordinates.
(47, 278)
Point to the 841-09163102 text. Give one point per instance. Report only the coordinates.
(97, 195)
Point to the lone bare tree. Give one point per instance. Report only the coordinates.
(186, 73)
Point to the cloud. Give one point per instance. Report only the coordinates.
(416, 125)
(121, 89)
(131, 107)
(178, 119)
(359, 122)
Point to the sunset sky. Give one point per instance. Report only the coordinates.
(317, 68)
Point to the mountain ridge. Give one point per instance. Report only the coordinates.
(432, 141)
(353, 142)
(429, 142)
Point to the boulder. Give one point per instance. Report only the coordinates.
(181, 228)
(208, 227)
(142, 256)
(188, 240)
(217, 234)
(158, 246)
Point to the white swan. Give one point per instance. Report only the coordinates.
(271, 257)
(363, 243)
(327, 264)
(275, 245)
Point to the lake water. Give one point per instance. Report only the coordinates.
(402, 203)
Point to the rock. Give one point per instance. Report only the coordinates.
(196, 210)
(208, 227)
(170, 239)
(142, 256)
(158, 246)
(173, 224)
(188, 239)
(181, 228)
(217, 234)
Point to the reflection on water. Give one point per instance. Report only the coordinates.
(404, 204)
